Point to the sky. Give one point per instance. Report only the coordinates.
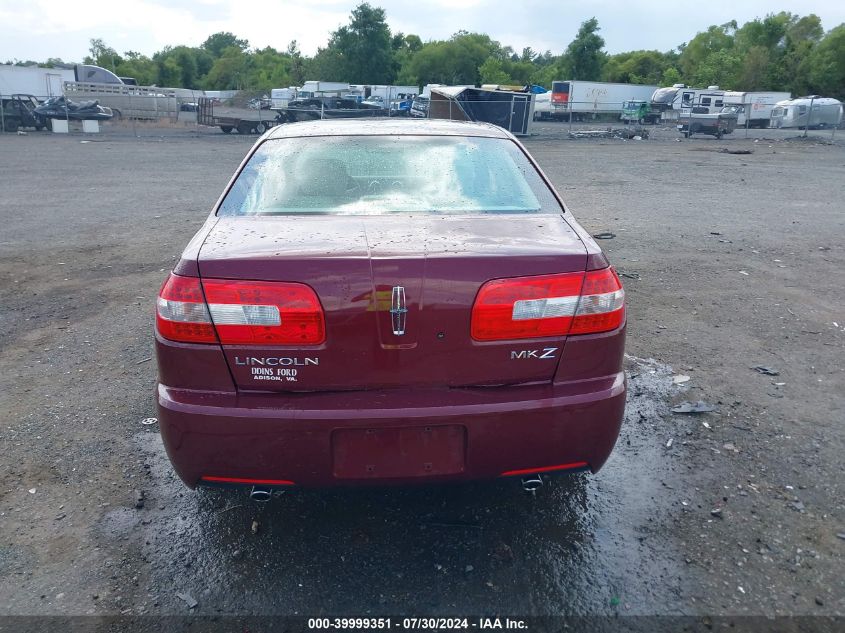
(39, 29)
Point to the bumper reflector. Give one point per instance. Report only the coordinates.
(252, 482)
(544, 469)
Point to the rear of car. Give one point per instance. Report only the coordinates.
(375, 302)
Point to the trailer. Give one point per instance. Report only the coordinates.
(244, 120)
(699, 121)
(280, 97)
(675, 101)
(514, 111)
(753, 109)
(583, 100)
(33, 80)
(323, 88)
(131, 102)
(813, 112)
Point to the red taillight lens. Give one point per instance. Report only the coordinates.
(526, 307)
(181, 313)
(239, 312)
(602, 304)
(264, 312)
(548, 305)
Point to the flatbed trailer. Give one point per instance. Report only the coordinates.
(244, 120)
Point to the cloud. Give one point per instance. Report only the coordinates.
(49, 28)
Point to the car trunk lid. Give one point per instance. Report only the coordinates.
(378, 275)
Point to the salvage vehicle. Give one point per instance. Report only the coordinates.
(388, 302)
(699, 120)
(638, 112)
(18, 111)
(419, 108)
(313, 108)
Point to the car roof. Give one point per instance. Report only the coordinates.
(386, 127)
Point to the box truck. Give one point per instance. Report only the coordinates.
(753, 109)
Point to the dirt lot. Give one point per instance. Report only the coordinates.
(730, 262)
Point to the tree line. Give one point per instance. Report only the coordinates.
(782, 51)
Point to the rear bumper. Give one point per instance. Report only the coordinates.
(293, 437)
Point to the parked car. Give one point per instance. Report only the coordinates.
(388, 301)
(419, 107)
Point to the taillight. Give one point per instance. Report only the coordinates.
(239, 312)
(265, 312)
(181, 313)
(602, 304)
(548, 305)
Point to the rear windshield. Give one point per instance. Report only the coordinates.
(376, 175)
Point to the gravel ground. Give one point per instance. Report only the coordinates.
(730, 262)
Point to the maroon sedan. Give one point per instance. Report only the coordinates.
(388, 302)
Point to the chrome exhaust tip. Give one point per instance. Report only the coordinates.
(260, 494)
(532, 483)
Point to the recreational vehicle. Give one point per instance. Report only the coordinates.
(673, 101)
(811, 112)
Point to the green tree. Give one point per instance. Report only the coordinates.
(404, 49)
(699, 48)
(491, 72)
(671, 76)
(754, 72)
(454, 61)
(362, 50)
(102, 55)
(177, 67)
(827, 76)
(719, 68)
(793, 66)
(268, 69)
(584, 56)
(229, 71)
(140, 67)
(297, 64)
(638, 67)
(217, 43)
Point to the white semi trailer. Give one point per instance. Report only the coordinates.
(588, 99)
(33, 80)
